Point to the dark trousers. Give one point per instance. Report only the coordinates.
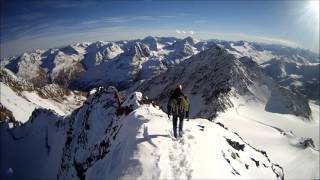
(175, 121)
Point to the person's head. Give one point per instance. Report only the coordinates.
(179, 87)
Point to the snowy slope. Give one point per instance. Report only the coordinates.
(282, 136)
(207, 150)
(94, 143)
(21, 97)
(20, 107)
(22, 104)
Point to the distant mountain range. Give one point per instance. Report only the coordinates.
(83, 66)
(126, 64)
(253, 111)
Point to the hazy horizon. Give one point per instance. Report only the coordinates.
(26, 26)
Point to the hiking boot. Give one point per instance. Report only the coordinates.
(175, 134)
(180, 133)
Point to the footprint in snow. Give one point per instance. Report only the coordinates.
(201, 127)
(190, 137)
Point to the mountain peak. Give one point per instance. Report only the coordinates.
(190, 40)
(139, 49)
(152, 42)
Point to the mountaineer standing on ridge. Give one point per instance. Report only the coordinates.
(178, 106)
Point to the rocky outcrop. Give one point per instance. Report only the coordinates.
(7, 117)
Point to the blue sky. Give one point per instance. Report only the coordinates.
(27, 25)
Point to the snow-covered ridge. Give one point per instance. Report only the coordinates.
(94, 143)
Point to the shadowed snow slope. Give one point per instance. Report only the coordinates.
(94, 143)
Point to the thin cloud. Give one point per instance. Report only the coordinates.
(49, 39)
(30, 16)
(121, 19)
(43, 41)
(147, 18)
(116, 19)
(12, 30)
(241, 36)
(184, 32)
(201, 21)
(71, 4)
(167, 16)
(64, 4)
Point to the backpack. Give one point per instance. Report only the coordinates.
(179, 105)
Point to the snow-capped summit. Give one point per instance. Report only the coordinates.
(190, 40)
(99, 52)
(182, 49)
(140, 50)
(151, 42)
(112, 50)
(70, 50)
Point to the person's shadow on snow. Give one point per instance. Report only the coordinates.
(147, 137)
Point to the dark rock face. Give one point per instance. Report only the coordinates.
(65, 76)
(140, 50)
(237, 146)
(151, 42)
(301, 78)
(285, 101)
(306, 142)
